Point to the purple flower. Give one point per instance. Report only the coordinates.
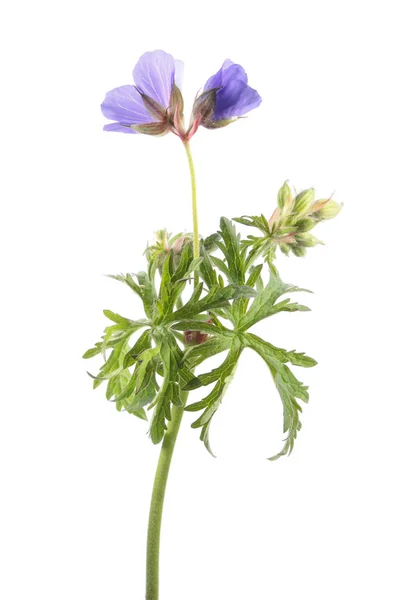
(226, 96)
(150, 105)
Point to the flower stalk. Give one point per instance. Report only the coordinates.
(194, 201)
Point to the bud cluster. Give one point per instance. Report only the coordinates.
(164, 244)
(295, 216)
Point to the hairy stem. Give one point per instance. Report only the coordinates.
(194, 202)
(158, 493)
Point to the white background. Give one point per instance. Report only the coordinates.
(78, 203)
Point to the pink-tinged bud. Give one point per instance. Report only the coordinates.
(194, 338)
(318, 205)
(178, 244)
(274, 219)
(285, 239)
(328, 211)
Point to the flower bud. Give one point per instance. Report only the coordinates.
(299, 250)
(204, 106)
(273, 221)
(304, 201)
(194, 338)
(305, 224)
(164, 244)
(326, 209)
(285, 196)
(306, 240)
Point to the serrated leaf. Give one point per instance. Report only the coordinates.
(212, 401)
(288, 386)
(195, 355)
(143, 343)
(287, 306)
(274, 355)
(232, 251)
(260, 222)
(221, 372)
(220, 264)
(143, 361)
(215, 298)
(140, 413)
(263, 304)
(148, 293)
(128, 280)
(301, 360)
(206, 270)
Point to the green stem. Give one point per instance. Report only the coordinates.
(166, 452)
(158, 493)
(194, 202)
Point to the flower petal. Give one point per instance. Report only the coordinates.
(235, 100)
(154, 76)
(119, 127)
(179, 73)
(125, 105)
(228, 72)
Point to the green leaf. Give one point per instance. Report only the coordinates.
(231, 248)
(217, 297)
(143, 361)
(170, 391)
(289, 387)
(204, 436)
(128, 390)
(209, 244)
(128, 280)
(148, 293)
(125, 323)
(92, 351)
(260, 223)
(140, 413)
(211, 403)
(263, 304)
(143, 343)
(206, 270)
(301, 360)
(225, 369)
(273, 355)
(221, 265)
(185, 261)
(288, 306)
(145, 396)
(195, 355)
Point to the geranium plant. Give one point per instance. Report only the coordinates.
(201, 297)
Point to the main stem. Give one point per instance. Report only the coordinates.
(166, 452)
(158, 493)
